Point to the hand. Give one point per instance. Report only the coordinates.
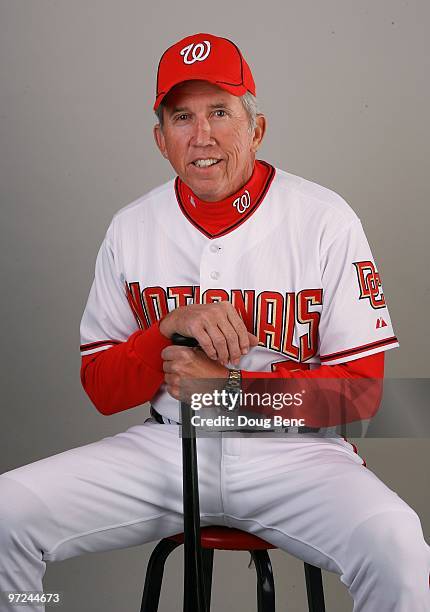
(219, 330)
(182, 365)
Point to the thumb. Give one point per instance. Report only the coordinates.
(253, 340)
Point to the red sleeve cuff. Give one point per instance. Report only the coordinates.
(149, 344)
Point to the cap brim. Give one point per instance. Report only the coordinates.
(235, 90)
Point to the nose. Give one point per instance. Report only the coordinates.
(202, 132)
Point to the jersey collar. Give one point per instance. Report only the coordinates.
(215, 219)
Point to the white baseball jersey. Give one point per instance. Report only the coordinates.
(299, 270)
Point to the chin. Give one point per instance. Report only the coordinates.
(203, 190)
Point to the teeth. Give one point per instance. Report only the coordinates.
(205, 163)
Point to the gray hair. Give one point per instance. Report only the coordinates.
(249, 102)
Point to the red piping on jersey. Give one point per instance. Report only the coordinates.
(358, 349)
(215, 219)
(364, 464)
(94, 345)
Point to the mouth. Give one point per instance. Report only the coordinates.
(206, 162)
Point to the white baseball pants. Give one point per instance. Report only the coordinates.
(309, 496)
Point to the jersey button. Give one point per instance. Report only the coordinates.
(214, 275)
(215, 248)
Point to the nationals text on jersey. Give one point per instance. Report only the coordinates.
(269, 315)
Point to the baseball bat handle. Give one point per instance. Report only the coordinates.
(181, 340)
(194, 587)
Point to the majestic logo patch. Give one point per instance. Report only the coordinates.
(380, 323)
(198, 52)
(242, 202)
(369, 282)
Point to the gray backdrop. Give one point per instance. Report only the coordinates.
(345, 88)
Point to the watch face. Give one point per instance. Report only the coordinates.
(234, 380)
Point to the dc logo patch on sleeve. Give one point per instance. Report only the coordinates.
(370, 284)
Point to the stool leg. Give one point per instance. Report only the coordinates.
(154, 575)
(208, 562)
(265, 583)
(314, 588)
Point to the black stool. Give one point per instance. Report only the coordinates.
(226, 538)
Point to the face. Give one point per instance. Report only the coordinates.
(207, 140)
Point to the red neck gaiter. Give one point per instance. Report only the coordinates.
(215, 219)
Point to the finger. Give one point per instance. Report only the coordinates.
(173, 391)
(172, 380)
(176, 353)
(170, 352)
(178, 362)
(232, 340)
(205, 343)
(167, 367)
(168, 382)
(253, 340)
(174, 386)
(241, 331)
(219, 342)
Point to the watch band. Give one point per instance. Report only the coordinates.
(233, 386)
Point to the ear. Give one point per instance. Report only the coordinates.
(160, 140)
(259, 131)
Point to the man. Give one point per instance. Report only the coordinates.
(270, 273)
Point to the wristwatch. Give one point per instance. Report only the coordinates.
(233, 386)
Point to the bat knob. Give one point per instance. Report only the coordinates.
(180, 340)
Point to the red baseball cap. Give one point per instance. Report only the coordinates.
(204, 57)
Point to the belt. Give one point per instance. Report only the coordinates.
(166, 421)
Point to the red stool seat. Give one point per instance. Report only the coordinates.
(227, 538)
(217, 537)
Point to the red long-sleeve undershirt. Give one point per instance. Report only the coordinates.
(130, 373)
(331, 395)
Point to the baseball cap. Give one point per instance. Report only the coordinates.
(204, 57)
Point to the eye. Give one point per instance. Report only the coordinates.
(220, 113)
(181, 117)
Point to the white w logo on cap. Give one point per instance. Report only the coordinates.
(198, 52)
